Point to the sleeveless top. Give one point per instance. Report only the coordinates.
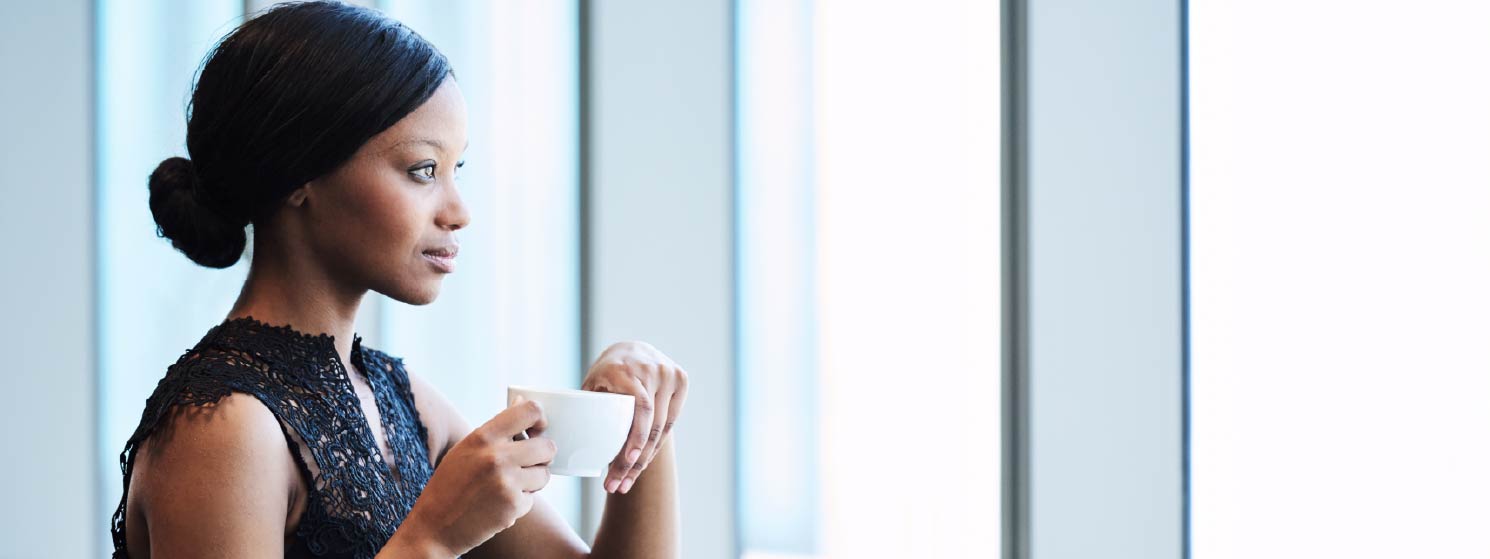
(355, 500)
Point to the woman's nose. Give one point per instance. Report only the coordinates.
(454, 215)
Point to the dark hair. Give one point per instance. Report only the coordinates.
(286, 97)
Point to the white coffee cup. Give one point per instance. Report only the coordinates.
(588, 427)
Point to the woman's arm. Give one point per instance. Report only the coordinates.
(643, 522)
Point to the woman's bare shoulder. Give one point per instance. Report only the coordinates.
(237, 426)
(211, 477)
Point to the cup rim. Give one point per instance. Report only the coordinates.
(569, 392)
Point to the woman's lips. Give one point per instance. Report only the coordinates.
(442, 259)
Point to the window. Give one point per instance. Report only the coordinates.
(868, 272)
(1340, 302)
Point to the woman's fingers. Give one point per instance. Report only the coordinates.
(654, 437)
(533, 478)
(674, 409)
(523, 416)
(533, 452)
(641, 423)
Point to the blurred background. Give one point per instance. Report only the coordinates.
(952, 278)
(639, 171)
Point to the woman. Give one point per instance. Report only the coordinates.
(336, 132)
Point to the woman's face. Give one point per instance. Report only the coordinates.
(386, 219)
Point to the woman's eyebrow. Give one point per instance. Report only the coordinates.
(424, 141)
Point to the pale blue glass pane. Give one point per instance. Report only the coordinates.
(776, 252)
(154, 303)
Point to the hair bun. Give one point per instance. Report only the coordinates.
(203, 234)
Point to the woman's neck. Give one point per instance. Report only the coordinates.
(303, 296)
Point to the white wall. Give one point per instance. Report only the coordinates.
(46, 293)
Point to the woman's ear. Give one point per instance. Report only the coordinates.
(297, 196)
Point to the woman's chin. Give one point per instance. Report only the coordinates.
(422, 294)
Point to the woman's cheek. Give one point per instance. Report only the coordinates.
(374, 229)
(388, 207)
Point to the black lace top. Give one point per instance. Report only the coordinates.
(356, 500)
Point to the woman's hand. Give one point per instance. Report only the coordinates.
(660, 387)
(482, 486)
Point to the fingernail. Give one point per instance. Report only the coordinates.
(633, 455)
(627, 486)
(610, 486)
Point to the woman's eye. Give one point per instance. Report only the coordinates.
(426, 173)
